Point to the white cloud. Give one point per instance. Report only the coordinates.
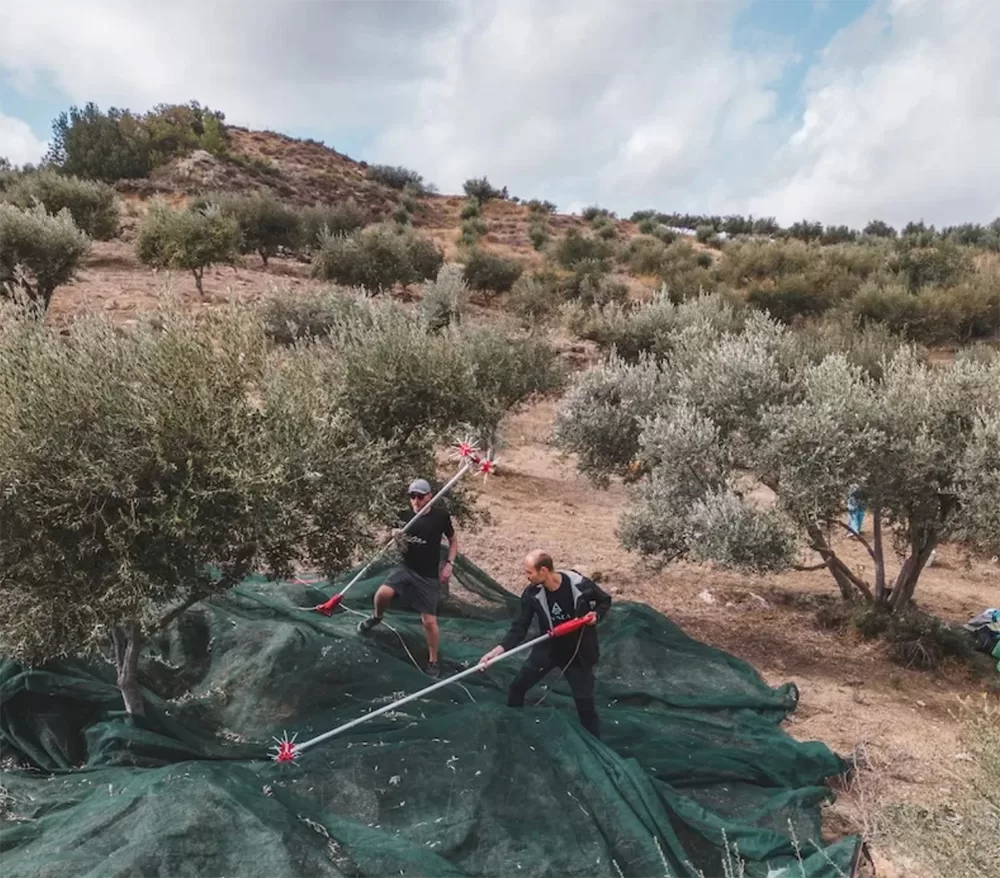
(626, 104)
(902, 121)
(18, 142)
(632, 104)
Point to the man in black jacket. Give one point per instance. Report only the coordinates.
(555, 596)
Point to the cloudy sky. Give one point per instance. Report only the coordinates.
(831, 110)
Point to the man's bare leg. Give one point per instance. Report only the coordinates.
(431, 632)
(383, 597)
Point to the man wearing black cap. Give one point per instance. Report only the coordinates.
(417, 581)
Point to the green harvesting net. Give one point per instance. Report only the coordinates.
(693, 774)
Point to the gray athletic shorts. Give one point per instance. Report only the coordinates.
(419, 593)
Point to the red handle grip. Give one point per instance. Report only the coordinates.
(570, 626)
(328, 608)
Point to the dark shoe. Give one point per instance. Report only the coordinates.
(433, 670)
(366, 625)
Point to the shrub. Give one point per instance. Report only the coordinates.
(658, 326)
(488, 272)
(377, 258)
(93, 205)
(668, 236)
(400, 381)
(590, 285)
(38, 252)
(482, 190)
(401, 215)
(293, 318)
(442, 300)
(470, 209)
(188, 240)
(966, 311)
(538, 235)
(868, 347)
(879, 229)
(791, 297)
(575, 248)
(396, 177)
(647, 226)
(321, 220)
(593, 212)
(706, 234)
(943, 263)
(543, 208)
(892, 305)
(536, 296)
(684, 271)
(472, 230)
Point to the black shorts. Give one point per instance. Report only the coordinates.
(420, 593)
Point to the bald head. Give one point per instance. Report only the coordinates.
(539, 559)
(540, 569)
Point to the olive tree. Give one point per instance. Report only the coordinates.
(189, 240)
(38, 252)
(143, 471)
(745, 444)
(267, 226)
(92, 204)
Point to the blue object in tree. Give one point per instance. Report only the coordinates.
(855, 511)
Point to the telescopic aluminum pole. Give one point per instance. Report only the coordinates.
(288, 750)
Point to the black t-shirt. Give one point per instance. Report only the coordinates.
(560, 602)
(422, 542)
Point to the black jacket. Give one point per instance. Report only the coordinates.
(587, 596)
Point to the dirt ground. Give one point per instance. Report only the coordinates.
(852, 697)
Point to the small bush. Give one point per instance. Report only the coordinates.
(914, 639)
(655, 327)
(441, 304)
(396, 177)
(647, 226)
(489, 272)
(705, 234)
(401, 215)
(188, 240)
(470, 209)
(321, 220)
(538, 235)
(308, 317)
(38, 252)
(891, 305)
(607, 232)
(472, 230)
(575, 248)
(790, 298)
(962, 313)
(920, 266)
(542, 208)
(377, 258)
(535, 297)
(481, 189)
(589, 284)
(93, 205)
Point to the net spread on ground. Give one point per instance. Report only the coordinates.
(693, 770)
